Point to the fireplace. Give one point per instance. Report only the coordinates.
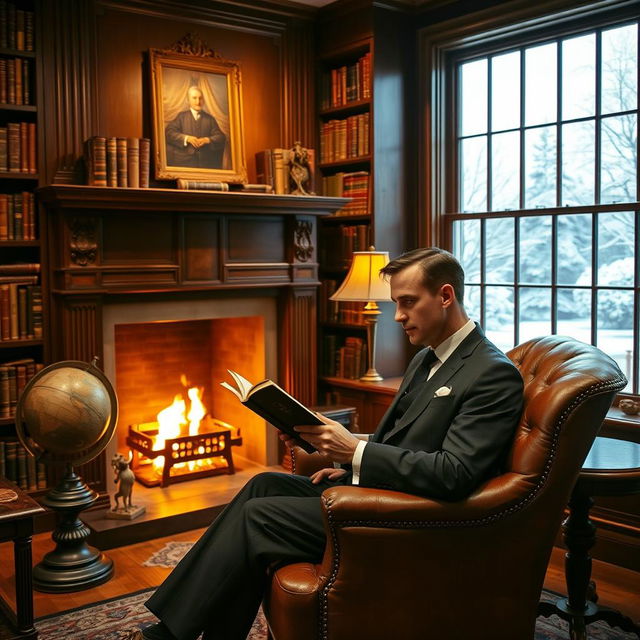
(192, 263)
(157, 351)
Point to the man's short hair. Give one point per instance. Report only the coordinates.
(438, 267)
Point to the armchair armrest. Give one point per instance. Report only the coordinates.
(499, 495)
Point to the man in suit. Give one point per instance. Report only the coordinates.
(446, 431)
(194, 138)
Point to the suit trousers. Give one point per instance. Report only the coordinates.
(276, 519)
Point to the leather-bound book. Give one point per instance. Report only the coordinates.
(133, 162)
(32, 137)
(13, 146)
(145, 161)
(121, 155)
(24, 147)
(112, 162)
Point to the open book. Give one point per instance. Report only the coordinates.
(275, 405)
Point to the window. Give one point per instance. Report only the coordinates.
(544, 215)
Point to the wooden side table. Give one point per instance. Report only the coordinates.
(612, 468)
(16, 523)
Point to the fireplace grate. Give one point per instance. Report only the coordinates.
(186, 457)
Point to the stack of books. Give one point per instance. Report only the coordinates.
(344, 360)
(347, 83)
(354, 185)
(17, 216)
(344, 139)
(16, 27)
(14, 376)
(340, 242)
(15, 79)
(19, 466)
(18, 147)
(20, 302)
(118, 162)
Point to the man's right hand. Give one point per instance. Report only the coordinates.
(330, 473)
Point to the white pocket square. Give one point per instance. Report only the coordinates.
(442, 391)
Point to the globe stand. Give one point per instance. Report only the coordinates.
(73, 565)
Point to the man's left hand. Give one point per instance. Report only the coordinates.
(331, 439)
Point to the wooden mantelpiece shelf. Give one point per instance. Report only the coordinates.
(171, 200)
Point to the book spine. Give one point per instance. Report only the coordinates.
(3, 24)
(32, 147)
(3, 467)
(20, 30)
(121, 155)
(26, 82)
(36, 311)
(112, 163)
(133, 162)
(41, 476)
(145, 159)
(19, 90)
(3, 81)
(32, 474)
(4, 216)
(11, 81)
(5, 319)
(11, 26)
(4, 149)
(22, 313)
(13, 145)
(28, 30)
(24, 148)
(20, 268)
(13, 311)
(5, 402)
(203, 186)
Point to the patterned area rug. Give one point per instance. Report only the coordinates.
(114, 619)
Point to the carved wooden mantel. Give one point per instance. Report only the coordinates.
(108, 243)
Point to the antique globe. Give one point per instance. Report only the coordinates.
(66, 415)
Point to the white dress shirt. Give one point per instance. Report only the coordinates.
(442, 351)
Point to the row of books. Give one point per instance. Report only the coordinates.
(344, 359)
(340, 312)
(353, 184)
(20, 310)
(117, 162)
(344, 139)
(19, 466)
(14, 376)
(18, 147)
(15, 84)
(347, 83)
(16, 27)
(340, 242)
(17, 216)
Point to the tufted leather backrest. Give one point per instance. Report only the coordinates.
(560, 375)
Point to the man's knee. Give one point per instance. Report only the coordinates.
(265, 483)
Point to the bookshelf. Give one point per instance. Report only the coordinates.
(345, 164)
(22, 334)
(365, 96)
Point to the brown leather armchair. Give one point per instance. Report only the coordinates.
(401, 567)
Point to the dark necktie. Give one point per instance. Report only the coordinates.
(422, 372)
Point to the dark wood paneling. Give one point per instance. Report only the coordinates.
(255, 240)
(200, 254)
(121, 239)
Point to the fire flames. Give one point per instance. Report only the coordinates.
(172, 420)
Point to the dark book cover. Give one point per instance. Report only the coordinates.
(121, 157)
(145, 159)
(112, 162)
(21, 464)
(13, 146)
(11, 463)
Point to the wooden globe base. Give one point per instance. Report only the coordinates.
(73, 565)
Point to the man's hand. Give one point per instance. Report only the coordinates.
(330, 473)
(196, 142)
(330, 439)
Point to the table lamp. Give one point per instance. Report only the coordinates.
(365, 284)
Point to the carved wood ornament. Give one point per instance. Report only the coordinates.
(302, 245)
(83, 244)
(191, 44)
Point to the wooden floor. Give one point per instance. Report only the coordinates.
(617, 587)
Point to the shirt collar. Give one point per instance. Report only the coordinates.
(448, 346)
(196, 114)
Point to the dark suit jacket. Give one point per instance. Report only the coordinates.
(207, 157)
(444, 447)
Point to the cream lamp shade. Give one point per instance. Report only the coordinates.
(365, 284)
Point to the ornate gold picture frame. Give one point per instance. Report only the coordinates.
(197, 114)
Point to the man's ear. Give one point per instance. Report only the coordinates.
(448, 295)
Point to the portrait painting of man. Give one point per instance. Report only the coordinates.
(197, 116)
